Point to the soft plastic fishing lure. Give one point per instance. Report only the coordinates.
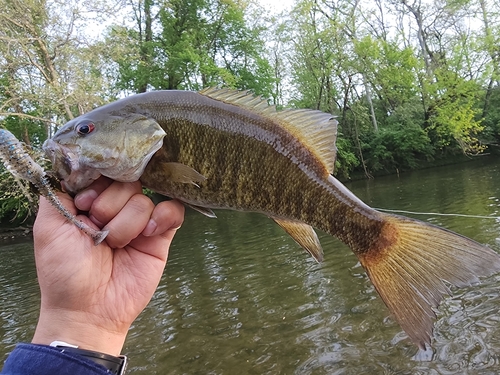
(16, 159)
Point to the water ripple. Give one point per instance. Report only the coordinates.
(239, 297)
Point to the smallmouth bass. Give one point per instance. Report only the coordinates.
(16, 159)
(229, 149)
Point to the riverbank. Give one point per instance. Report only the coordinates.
(15, 234)
(441, 162)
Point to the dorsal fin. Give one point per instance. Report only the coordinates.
(315, 129)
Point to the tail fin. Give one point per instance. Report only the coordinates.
(413, 265)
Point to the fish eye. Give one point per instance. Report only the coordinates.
(85, 128)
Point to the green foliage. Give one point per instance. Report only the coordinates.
(452, 115)
(133, 73)
(390, 68)
(194, 44)
(16, 201)
(320, 59)
(491, 121)
(30, 131)
(346, 158)
(398, 148)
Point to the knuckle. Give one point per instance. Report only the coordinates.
(141, 204)
(170, 214)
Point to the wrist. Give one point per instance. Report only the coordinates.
(77, 329)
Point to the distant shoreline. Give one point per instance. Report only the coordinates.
(14, 234)
(358, 174)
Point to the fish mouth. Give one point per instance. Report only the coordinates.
(66, 163)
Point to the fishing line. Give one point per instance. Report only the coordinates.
(438, 214)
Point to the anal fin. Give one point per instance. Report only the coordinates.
(304, 235)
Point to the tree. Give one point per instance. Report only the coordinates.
(195, 44)
(50, 69)
(49, 74)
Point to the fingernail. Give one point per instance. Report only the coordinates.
(150, 228)
(95, 221)
(83, 200)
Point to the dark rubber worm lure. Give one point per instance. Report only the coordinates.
(16, 159)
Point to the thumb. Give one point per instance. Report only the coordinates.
(50, 223)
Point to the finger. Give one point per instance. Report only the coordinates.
(112, 200)
(166, 215)
(130, 221)
(85, 198)
(171, 215)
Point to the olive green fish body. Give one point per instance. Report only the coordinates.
(250, 163)
(227, 149)
(244, 171)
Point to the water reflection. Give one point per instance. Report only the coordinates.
(239, 297)
(19, 296)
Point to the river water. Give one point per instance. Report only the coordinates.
(239, 297)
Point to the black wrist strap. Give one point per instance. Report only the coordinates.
(116, 365)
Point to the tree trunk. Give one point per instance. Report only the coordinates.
(370, 103)
(145, 49)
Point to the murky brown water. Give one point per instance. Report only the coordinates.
(239, 297)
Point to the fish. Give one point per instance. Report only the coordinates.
(228, 149)
(16, 159)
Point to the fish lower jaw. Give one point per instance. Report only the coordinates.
(77, 180)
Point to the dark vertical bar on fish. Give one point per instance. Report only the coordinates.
(18, 162)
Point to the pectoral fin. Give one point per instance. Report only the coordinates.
(177, 172)
(203, 210)
(304, 235)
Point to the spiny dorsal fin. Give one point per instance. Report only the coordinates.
(315, 129)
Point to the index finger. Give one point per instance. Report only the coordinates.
(112, 200)
(130, 221)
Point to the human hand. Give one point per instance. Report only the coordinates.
(92, 294)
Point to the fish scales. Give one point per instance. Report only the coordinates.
(252, 148)
(257, 153)
(228, 149)
(236, 173)
(233, 173)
